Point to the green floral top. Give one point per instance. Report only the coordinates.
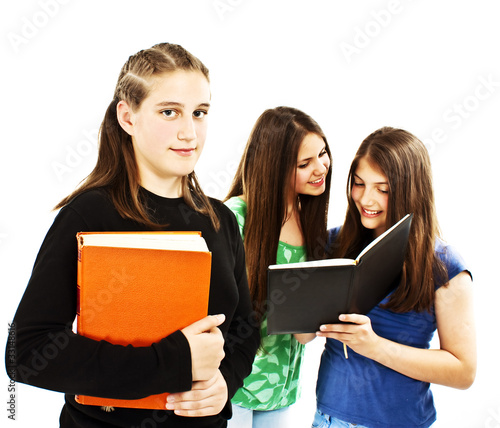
(274, 381)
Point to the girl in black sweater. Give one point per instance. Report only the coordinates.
(150, 139)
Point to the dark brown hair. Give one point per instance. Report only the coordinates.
(264, 174)
(116, 167)
(404, 160)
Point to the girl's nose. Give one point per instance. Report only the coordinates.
(320, 167)
(366, 198)
(187, 131)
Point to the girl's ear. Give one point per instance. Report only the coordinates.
(124, 115)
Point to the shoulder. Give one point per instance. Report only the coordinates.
(451, 258)
(239, 209)
(229, 234)
(94, 207)
(236, 205)
(225, 213)
(91, 200)
(91, 197)
(89, 211)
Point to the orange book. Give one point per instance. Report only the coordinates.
(137, 288)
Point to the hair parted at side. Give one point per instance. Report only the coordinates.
(405, 161)
(263, 176)
(116, 167)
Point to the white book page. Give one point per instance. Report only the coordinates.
(315, 263)
(152, 241)
(377, 240)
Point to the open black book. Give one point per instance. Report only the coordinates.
(303, 296)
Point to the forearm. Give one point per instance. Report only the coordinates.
(48, 354)
(59, 360)
(454, 364)
(427, 365)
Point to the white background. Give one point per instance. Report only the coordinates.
(430, 67)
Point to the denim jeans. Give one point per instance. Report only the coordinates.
(324, 421)
(247, 418)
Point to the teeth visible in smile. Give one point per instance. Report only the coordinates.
(317, 181)
(370, 212)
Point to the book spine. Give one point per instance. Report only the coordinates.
(78, 398)
(79, 281)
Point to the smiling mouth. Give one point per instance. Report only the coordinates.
(318, 181)
(370, 213)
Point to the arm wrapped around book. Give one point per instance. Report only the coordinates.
(50, 355)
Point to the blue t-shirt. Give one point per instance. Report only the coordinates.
(361, 391)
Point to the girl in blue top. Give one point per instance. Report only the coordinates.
(385, 380)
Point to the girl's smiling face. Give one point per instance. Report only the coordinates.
(168, 129)
(370, 193)
(313, 164)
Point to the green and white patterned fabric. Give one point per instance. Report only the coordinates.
(274, 381)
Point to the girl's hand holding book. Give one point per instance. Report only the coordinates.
(206, 398)
(355, 331)
(206, 344)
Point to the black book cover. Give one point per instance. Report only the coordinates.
(303, 296)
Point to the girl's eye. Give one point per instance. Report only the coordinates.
(169, 113)
(385, 192)
(303, 165)
(358, 184)
(322, 153)
(200, 114)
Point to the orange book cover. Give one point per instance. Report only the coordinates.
(138, 296)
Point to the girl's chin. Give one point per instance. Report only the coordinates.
(371, 223)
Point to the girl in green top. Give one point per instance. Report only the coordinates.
(280, 198)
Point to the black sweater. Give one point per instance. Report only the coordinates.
(49, 355)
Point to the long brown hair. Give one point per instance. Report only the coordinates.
(116, 167)
(263, 177)
(405, 162)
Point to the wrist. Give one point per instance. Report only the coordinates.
(382, 350)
